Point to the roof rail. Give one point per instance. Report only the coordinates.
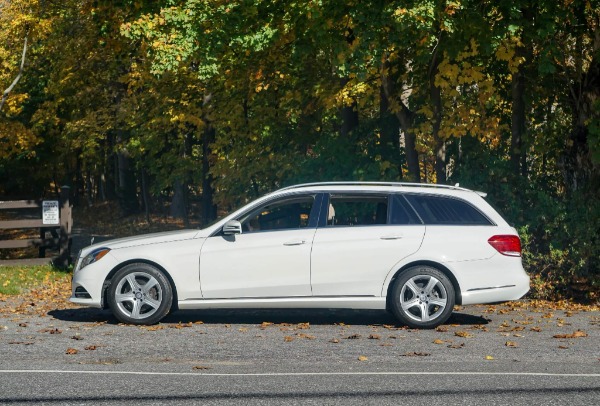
(361, 183)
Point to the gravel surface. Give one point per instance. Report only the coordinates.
(53, 353)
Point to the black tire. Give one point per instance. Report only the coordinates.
(422, 297)
(140, 294)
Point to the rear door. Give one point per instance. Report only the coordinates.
(360, 239)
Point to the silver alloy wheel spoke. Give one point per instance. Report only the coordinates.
(441, 303)
(124, 297)
(424, 311)
(430, 285)
(132, 282)
(410, 303)
(151, 302)
(412, 286)
(149, 285)
(137, 308)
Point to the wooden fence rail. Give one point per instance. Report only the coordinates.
(57, 222)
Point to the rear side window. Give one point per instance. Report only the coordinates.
(446, 210)
(357, 210)
(402, 213)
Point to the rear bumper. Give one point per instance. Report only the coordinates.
(497, 293)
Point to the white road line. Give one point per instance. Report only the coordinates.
(283, 374)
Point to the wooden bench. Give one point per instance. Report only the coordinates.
(56, 220)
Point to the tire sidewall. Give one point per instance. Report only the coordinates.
(165, 285)
(397, 288)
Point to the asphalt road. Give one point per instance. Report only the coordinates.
(495, 355)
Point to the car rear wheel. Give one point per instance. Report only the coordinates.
(140, 294)
(422, 297)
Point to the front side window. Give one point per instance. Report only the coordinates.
(357, 210)
(443, 210)
(290, 213)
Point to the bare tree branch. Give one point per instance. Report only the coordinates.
(14, 83)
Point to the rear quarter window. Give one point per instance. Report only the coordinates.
(444, 210)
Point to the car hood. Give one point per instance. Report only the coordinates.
(147, 239)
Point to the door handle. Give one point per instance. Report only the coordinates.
(294, 242)
(391, 237)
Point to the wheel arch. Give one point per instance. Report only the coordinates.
(433, 264)
(138, 261)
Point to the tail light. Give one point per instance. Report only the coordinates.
(509, 245)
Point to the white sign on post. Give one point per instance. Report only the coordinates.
(50, 212)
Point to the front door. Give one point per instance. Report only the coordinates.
(271, 258)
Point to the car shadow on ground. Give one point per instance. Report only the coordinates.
(253, 316)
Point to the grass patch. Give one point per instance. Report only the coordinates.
(15, 280)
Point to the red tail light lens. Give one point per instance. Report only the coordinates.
(509, 245)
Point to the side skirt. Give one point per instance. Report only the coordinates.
(347, 302)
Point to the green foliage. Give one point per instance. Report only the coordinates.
(225, 100)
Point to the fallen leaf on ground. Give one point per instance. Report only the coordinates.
(50, 330)
(181, 325)
(200, 367)
(71, 351)
(576, 334)
(511, 344)
(91, 348)
(441, 329)
(334, 341)
(362, 358)
(489, 357)
(374, 337)
(416, 354)
(153, 328)
(77, 337)
(463, 334)
(353, 337)
(456, 346)
(288, 339)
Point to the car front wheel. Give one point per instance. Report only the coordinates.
(140, 294)
(422, 297)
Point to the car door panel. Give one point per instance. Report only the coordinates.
(354, 261)
(269, 264)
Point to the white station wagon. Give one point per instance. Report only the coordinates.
(413, 249)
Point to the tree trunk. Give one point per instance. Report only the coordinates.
(145, 194)
(517, 118)
(209, 209)
(435, 95)
(17, 78)
(126, 186)
(349, 114)
(390, 133)
(405, 118)
(179, 202)
(580, 171)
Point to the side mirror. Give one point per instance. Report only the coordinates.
(232, 227)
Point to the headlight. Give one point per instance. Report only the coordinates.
(94, 256)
